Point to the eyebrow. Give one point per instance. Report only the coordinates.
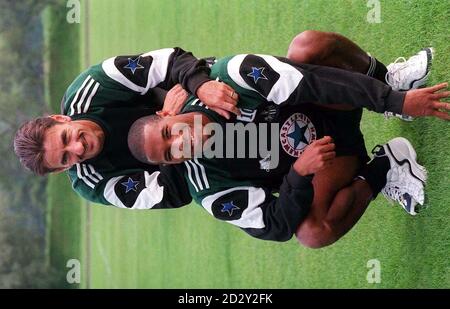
(64, 142)
(64, 137)
(163, 131)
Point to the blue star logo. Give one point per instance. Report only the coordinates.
(130, 185)
(298, 135)
(229, 207)
(257, 74)
(133, 64)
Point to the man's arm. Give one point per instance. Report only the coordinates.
(262, 215)
(279, 81)
(163, 68)
(130, 78)
(259, 213)
(142, 189)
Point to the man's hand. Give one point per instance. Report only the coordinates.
(219, 97)
(316, 157)
(426, 102)
(174, 101)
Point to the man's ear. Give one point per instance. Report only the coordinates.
(163, 113)
(61, 118)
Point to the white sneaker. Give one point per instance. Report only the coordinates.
(406, 178)
(409, 74)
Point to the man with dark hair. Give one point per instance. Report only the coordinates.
(319, 162)
(89, 140)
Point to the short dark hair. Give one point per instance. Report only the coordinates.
(136, 137)
(29, 144)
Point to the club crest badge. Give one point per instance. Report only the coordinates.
(296, 133)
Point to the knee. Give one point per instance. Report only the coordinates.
(307, 38)
(311, 45)
(318, 233)
(315, 235)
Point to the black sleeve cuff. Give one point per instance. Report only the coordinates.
(198, 77)
(394, 101)
(196, 81)
(297, 181)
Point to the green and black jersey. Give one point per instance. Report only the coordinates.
(114, 94)
(275, 99)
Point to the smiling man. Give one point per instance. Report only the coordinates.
(82, 140)
(323, 180)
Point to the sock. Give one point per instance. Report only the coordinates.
(377, 70)
(374, 173)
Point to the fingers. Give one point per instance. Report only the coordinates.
(324, 164)
(230, 92)
(327, 148)
(441, 110)
(324, 140)
(176, 89)
(441, 115)
(329, 155)
(227, 94)
(219, 96)
(441, 95)
(229, 108)
(441, 105)
(229, 99)
(221, 112)
(437, 87)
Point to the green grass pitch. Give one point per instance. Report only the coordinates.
(186, 248)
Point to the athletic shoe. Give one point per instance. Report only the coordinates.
(406, 178)
(409, 74)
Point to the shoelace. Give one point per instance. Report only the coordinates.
(393, 193)
(391, 75)
(390, 191)
(399, 64)
(393, 80)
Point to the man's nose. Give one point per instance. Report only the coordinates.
(76, 148)
(177, 147)
(177, 142)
